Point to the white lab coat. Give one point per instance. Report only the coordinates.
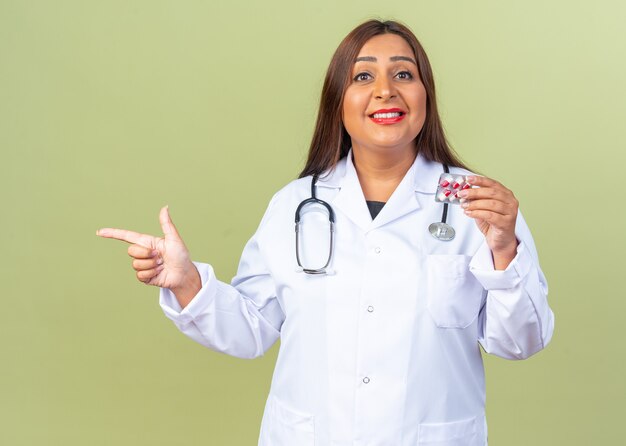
(385, 351)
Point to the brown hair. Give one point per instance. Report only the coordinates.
(331, 141)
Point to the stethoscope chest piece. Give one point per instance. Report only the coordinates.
(442, 231)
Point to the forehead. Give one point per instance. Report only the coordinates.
(386, 45)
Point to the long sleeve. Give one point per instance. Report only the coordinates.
(242, 319)
(516, 320)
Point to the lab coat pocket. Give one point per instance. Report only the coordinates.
(454, 296)
(289, 427)
(457, 433)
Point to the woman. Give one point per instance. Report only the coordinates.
(382, 349)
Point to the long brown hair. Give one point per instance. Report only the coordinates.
(331, 141)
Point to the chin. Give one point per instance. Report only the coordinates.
(390, 147)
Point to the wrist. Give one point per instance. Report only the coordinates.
(506, 249)
(189, 286)
(502, 257)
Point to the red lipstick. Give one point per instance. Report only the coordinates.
(386, 116)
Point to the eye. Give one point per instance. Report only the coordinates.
(405, 75)
(362, 77)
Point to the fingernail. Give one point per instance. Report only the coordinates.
(462, 194)
(155, 253)
(159, 261)
(464, 205)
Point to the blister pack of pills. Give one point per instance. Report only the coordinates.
(449, 186)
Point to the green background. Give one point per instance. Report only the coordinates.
(111, 109)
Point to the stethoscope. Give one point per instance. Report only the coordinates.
(440, 229)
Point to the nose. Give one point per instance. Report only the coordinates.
(383, 88)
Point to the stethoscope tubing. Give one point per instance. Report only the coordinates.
(444, 215)
(440, 230)
(331, 218)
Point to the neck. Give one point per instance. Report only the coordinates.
(380, 173)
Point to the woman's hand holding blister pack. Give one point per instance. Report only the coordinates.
(491, 205)
(494, 208)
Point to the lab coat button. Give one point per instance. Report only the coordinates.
(370, 309)
(366, 380)
(377, 250)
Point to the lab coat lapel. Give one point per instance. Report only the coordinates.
(350, 200)
(420, 179)
(403, 201)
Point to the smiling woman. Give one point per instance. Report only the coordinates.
(379, 346)
(384, 106)
(331, 139)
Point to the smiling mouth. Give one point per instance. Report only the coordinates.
(388, 117)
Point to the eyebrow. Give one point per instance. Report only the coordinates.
(392, 59)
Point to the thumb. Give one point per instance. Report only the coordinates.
(169, 230)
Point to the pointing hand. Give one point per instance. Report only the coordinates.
(161, 261)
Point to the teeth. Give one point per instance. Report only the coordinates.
(386, 115)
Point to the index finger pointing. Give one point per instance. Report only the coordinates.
(125, 236)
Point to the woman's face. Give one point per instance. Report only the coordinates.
(384, 107)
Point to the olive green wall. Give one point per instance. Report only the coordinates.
(111, 109)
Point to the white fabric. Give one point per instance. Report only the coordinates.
(386, 350)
